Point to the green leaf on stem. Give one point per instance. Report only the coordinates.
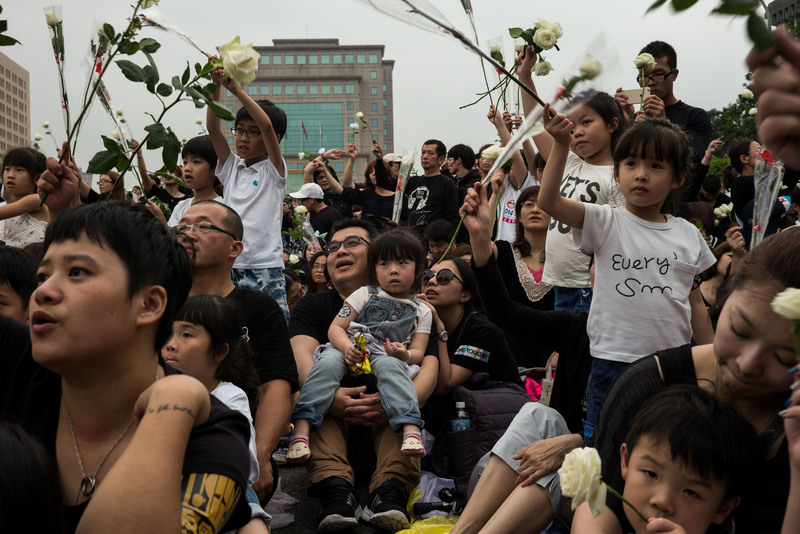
(680, 5)
(656, 4)
(164, 89)
(515, 32)
(736, 7)
(111, 145)
(198, 97)
(759, 33)
(150, 77)
(209, 91)
(221, 111)
(207, 68)
(128, 47)
(184, 76)
(5, 40)
(149, 45)
(158, 135)
(108, 31)
(102, 162)
(172, 150)
(176, 83)
(197, 68)
(122, 164)
(131, 70)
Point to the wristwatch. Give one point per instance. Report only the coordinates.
(442, 335)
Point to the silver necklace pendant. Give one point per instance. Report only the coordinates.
(87, 485)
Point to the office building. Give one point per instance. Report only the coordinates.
(15, 109)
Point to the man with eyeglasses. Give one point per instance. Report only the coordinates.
(662, 102)
(212, 234)
(355, 417)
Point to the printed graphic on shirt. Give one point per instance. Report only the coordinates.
(509, 215)
(344, 312)
(475, 353)
(418, 198)
(576, 188)
(208, 501)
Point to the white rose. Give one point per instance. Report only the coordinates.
(354, 125)
(360, 116)
(184, 139)
(198, 120)
(52, 18)
(752, 111)
(301, 155)
(293, 259)
(115, 135)
(301, 210)
(494, 48)
(37, 137)
(591, 67)
(491, 153)
(556, 29)
(746, 93)
(542, 68)
(718, 212)
(321, 151)
(644, 61)
(45, 124)
(544, 24)
(407, 161)
(519, 47)
(545, 39)
(239, 61)
(119, 111)
(787, 303)
(148, 3)
(580, 479)
(716, 222)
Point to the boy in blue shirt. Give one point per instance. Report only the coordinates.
(254, 182)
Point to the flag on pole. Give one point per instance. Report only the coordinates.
(303, 126)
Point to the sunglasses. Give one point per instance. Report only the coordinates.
(443, 277)
(348, 242)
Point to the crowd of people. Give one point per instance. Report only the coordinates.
(158, 345)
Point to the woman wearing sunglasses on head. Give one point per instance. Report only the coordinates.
(468, 341)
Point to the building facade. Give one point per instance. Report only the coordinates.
(321, 85)
(15, 109)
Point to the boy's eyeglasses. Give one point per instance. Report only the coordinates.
(348, 242)
(655, 78)
(443, 277)
(202, 228)
(238, 132)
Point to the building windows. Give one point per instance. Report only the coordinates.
(301, 60)
(337, 89)
(374, 123)
(265, 89)
(373, 91)
(385, 117)
(313, 90)
(351, 106)
(312, 60)
(252, 90)
(230, 107)
(337, 59)
(348, 58)
(350, 89)
(374, 107)
(301, 89)
(323, 124)
(326, 89)
(265, 60)
(385, 132)
(276, 60)
(288, 60)
(373, 75)
(228, 93)
(384, 102)
(361, 59)
(288, 90)
(373, 58)
(325, 60)
(277, 90)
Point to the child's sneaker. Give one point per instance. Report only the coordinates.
(299, 451)
(412, 444)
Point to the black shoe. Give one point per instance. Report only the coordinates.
(387, 506)
(339, 504)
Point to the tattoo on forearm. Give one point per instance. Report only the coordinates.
(166, 407)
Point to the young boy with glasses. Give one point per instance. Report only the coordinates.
(255, 182)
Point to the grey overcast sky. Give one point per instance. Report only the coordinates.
(433, 74)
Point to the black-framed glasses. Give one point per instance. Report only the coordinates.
(443, 277)
(348, 242)
(238, 132)
(394, 164)
(202, 228)
(105, 181)
(655, 78)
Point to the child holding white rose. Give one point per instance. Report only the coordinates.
(254, 178)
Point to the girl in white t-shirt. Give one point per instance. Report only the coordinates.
(24, 219)
(645, 259)
(396, 327)
(210, 344)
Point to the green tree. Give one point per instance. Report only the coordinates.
(734, 120)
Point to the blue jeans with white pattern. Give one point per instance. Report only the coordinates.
(269, 281)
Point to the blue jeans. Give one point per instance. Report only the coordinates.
(573, 299)
(601, 376)
(269, 281)
(398, 396)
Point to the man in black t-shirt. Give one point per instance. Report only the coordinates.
(322, 216)
(662, 102)
(212, 235)
(355, 417)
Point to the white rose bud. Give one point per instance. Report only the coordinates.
(148, 3)
(544, 24)
(184, 139)
(728, 207)
(580, 479)
(556, 29)
(542, 68)
(494, 48)
(301, 210)
(407, 161)
(716, 222)
(519, 47)
(644, 61)
(198, 120)
(354, 125)
(787, 303)
(45, 124)
(746, 93)
(491, 153)
(37, 137)
(293, 259)
(752, 111)
(301, 155)
(321, 151)
(718, 212)
(115, 135)
(545, 39)
(591, 67)
(52, 18)
(239, 61)
(360, 116)
(119, 111)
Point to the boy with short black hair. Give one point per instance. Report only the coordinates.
(199, 162)
(17, 282)
(255, 182)
(686, 461)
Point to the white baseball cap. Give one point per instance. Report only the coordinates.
(309, 191)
